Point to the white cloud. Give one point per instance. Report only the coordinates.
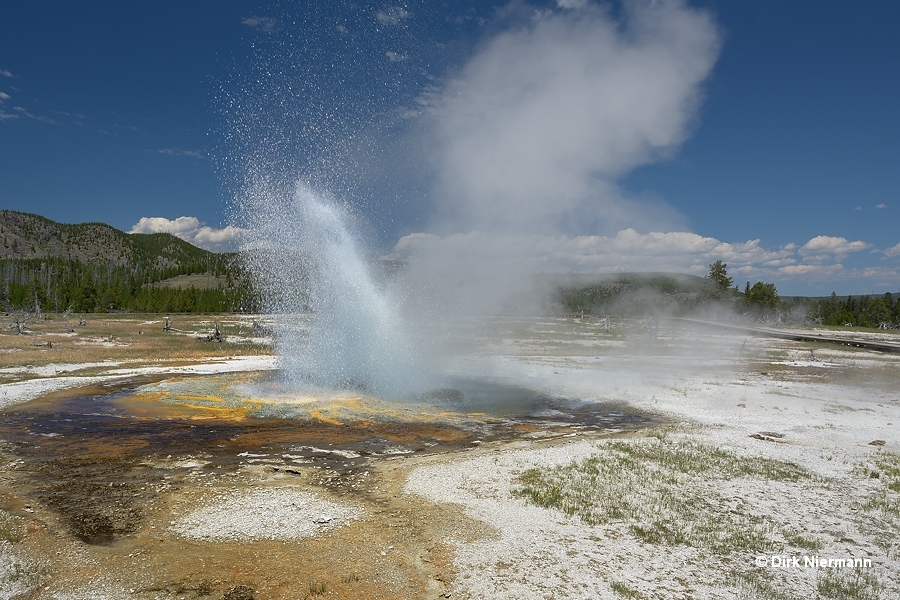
(23, 112)
(395, 57)
(391, 15)
(5, 73)
(181, 152)
(191, 230)
(266, 24)
(4, 96)
(808, 271)
(627, 250)
(631, 251)
(882, 205)
(824, 247)
(571, 4)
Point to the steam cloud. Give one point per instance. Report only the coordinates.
(531, 136)
(536, 128)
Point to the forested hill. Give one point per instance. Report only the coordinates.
(92, 267)
(28, 236)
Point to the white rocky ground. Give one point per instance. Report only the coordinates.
(819, 409)
(722, 391)
(52, 377)
(277, 513)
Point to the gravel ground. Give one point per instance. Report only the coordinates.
(280, 513)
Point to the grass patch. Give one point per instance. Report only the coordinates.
(888, 465)
(317, 588)
(806, 542)
(648, 485)
(695, 458)
(750, 586)
(11, 529)
(879, 510)
(624, 590)
(857, 584)
(885, 467)
(19, 576)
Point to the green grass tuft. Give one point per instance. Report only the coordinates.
(647, 485)
(857, 584)
(11, 530)
(624, 590)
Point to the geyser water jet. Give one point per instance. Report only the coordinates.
(337, 327)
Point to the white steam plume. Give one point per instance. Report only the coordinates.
(532, 134)
(536, 128)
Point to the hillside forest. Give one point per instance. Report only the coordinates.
(88, 268)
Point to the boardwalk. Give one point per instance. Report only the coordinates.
(800, 337)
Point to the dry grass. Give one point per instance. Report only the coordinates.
(134, 338)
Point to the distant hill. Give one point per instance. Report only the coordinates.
(91, 267)
(29, 236)
(662, 282)
(627, 293)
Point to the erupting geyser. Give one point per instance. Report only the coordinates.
(336, 326)
(508, 157)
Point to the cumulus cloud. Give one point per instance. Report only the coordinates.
(815, 263)
(537, 127)
(391, 15)
(627, 250)
(191, 230)
(880, 206)
(265, 24)
(824, 247)
(811, 271)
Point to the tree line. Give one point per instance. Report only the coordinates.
(636, 296)
(57, 285)
(859, 311)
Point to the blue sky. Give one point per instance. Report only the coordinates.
(763, 133)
